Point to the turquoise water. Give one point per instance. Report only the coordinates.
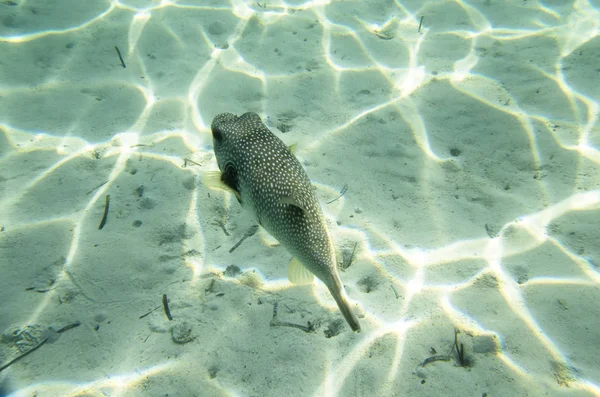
(463, 135)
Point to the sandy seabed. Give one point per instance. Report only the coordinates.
(464, 134)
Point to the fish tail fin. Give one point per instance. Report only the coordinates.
(339, 294)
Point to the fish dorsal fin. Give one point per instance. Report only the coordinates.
(213, 180)
(298, 273)
(292, 199)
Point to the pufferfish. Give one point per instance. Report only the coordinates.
(269, 181)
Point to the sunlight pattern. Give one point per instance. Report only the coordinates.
(467, 134)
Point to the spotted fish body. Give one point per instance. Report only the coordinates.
(270, 182)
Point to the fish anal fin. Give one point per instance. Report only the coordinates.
(298, 273)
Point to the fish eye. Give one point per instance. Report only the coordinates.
(216, 133)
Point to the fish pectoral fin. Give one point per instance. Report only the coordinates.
(212, 179)
(293, 148)
(298, 273)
